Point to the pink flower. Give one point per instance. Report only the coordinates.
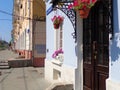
(57, 19)
(57, 52)
(94, 1)
(82, 4)
(75, 3)
(54, 18)
(85, 1)
(70, 6)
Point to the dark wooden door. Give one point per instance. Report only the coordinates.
(96, 48)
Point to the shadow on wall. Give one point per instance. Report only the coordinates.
(115, 47)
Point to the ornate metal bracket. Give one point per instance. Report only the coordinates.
(71, 14)
(111, 17)
(109, 9)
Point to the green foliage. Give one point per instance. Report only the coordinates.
(3, 45)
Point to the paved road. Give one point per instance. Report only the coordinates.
(26, 78)
(7, 54)
(23, 79)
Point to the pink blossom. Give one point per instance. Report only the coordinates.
(94, 1)
(70, 6)
(57, 19)
(54, 18)
(82, 4)
(57, 52)
(75, 3)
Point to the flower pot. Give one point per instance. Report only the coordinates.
(84, 12)
(56, 26)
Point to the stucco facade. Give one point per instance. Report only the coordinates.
(30, 16)
(21, 16)
(113, 82)
(60, 70)
(73, 52)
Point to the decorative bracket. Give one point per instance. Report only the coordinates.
(70, 13)
(111, 30)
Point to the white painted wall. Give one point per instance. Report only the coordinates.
(68, 41)
(115, 44)
(69, 47)
(79, 53)
(67, 73)
(113, 82)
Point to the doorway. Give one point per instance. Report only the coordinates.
(96, 47)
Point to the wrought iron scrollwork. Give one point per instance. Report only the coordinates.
(109, 9)
(70, 13)
(111, 17)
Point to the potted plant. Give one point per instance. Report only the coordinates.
(57, 21)
(83, 6)
(58, 55)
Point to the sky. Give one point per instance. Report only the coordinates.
(6, 25)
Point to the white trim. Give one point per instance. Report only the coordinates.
(58, 39)
(79, 51)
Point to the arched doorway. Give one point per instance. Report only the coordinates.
(96, 46)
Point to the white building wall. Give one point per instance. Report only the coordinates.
(113, 82)
(67, 69)
(67, 74)
(79, 53)
(68, 40)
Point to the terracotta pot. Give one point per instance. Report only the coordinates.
(56, 26)
(84, 12)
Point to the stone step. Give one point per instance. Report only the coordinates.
(4, 65)
(15, 63)
(63, 87)
(3, 61)
(20, 63)
(60, 86)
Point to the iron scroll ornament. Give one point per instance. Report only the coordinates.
(70, 13)
(109, 7)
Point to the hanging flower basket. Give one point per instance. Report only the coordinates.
(57, 21)
(84, 13)
(56, 26)
(83, 6)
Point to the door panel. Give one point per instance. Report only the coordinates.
(101, 77)
(88, 76)
(96, 48)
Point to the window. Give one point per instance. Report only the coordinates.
(25, 8)
(20, 6)
(58, 39)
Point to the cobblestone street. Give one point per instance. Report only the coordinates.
(25, 78)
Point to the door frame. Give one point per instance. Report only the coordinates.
(79, 48)
(110, 31)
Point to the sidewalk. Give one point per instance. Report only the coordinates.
(7, 54)
(26, 78)
(23, 78)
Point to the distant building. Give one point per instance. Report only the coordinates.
(28, 32)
